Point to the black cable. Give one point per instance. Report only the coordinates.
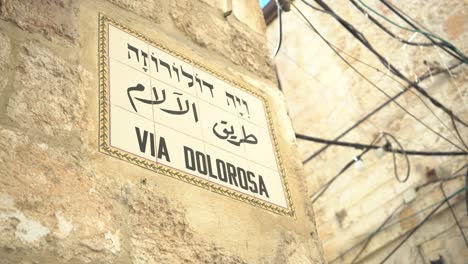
(369, 238)
(398, 12)
(392, 69)
(452, 176)
(367, 79)
(280, 87)
(454, 124)
(325, 187)
(394, 79)
(280, 29)
(403, 85)
(362, 146)
(313, 7)
(421, 78)
(466, 193)
(386, 30)
(358, 35)
(454, 215)
(414, 229)
(395, 169)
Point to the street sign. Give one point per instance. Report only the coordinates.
(164, 111)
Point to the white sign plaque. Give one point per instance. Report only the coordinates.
(163, 111)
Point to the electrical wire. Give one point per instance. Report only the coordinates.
(405, 17)
(396, 80)
(414, 229)
(454, 215)
(325, 187)
(280, 29)
(428, 74)
(388, 75)
(359, 36)
(454, 175)
(391, 68)
(459, 138)
(425, 33)
(391, 34)
(452, 80)
(390, 149)
(358, 157)
(368, 240)
(400, 220)
(313, 7)
(278, 79)
(369, 81)
(405, 154)
(454, 124)
(466, 194)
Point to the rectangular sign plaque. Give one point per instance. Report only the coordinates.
(166, 112)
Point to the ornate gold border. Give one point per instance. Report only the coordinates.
(104, 146)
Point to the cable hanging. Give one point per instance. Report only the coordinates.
(358, 158)
(387, 149)
(279, 10)
(400, 14)
(368, 239)
(394, 79)
(414, 229)
(425, 33)
(358, 35)
(421, 78)
(369, 81)
(389, 224)
(457, 135)
(391, 34)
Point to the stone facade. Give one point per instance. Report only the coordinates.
(325, 97)
(61, 201)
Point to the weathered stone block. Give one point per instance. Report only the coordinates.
(250, 13)
(211, 30)
(161, 233)
(151, 9)
(48, 92)
(5, 49)
(53, 18)
(46, 204)
(246, 11)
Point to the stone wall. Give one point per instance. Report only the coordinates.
(61, 201)
(326, 97)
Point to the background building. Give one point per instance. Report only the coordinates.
(366, 211)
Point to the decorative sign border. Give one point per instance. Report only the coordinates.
(104, 128)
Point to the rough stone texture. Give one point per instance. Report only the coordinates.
(4, 60)
(326, 98)
(167, 237)
(151, 9)
(49, 199)
(290, 250)
(39, 182)
(53, 18)
(244, 11)
(211, 30)
(49, 92)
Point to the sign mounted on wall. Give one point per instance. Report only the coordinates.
(166, 112)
